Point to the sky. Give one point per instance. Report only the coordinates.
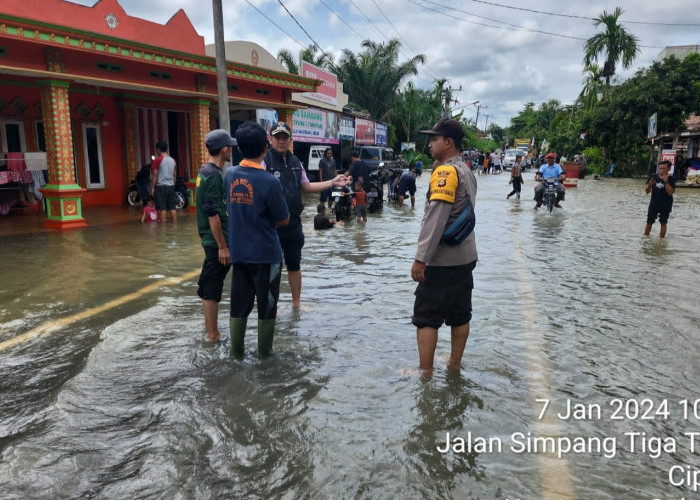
(501, 53)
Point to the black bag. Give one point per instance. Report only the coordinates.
(458, 230)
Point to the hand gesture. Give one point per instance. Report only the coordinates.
(341, 180)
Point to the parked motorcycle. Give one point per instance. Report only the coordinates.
(342, 203)
(140, 189)
(375, 194)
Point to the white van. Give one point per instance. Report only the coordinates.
(315, 154)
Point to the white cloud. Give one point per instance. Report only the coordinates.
(503, 68)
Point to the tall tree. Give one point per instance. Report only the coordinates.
(592, 86)
(372, 78)
(309, 54)
(618, 44)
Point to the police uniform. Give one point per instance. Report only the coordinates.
(445, 295)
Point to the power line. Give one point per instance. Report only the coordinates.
(434, 73)
(573, 16)
(517, 27)
(277, 25)
(381, 33)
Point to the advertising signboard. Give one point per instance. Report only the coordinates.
(668, 155)
(347, 128)
(381, 134)
(266, 117)
(315, 125)
(364, 131)
(328, 91)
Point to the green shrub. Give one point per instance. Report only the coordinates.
(597, 164)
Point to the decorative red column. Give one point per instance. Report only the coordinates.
(131, 156)
(199, 128)
(63, 194)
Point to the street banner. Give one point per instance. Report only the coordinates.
(347, 128)
(651, 131)
(381, 132)
(668, 155)
(315, 125)
(364, 132)
(266, 117)
(328, 91)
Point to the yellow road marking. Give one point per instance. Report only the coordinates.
(555, 476)
(57, 324)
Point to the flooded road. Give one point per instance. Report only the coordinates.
(117, 396)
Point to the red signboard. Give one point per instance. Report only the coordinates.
(328, 91)
(364, 131)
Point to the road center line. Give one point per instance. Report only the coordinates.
(555, 476)
(52, 326)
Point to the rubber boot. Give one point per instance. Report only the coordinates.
(266, 334)
(237, 332)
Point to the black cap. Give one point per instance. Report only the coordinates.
(219, 138)
(281, 128)
(448, 128)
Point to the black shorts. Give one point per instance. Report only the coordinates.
(255, 280)
(407, 185)
(444, 297)
(292, 241)
(661, 212)
(211, 279)
(165, 198)
(326, 195)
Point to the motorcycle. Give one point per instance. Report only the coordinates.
(342, 203)
(140, 189)
(549, 198)
(375, 194)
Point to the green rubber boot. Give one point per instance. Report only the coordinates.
(266, 334)
(237, 332)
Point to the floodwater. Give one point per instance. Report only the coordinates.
(114, 395)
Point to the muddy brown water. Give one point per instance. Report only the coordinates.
(574, 308)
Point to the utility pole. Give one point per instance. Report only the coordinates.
(478, 107)
(486, 126)
(448, 99)
(221, 80)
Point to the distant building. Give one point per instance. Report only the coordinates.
(86, 92)
(680, 51)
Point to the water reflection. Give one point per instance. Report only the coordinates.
(443, 407)
(130, 403)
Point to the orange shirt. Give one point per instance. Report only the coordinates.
(360, 198)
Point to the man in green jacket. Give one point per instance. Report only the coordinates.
(212, 218)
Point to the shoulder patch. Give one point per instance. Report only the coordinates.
(443, 184)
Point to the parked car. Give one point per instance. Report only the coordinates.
(509, 159)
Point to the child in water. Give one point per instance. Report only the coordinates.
(150, 214)
(320, 220)
(360, 202)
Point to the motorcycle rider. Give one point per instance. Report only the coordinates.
(550, 169)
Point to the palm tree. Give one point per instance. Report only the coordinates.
(592, 84)
(616, 42)
(372, 77)
(309, 54)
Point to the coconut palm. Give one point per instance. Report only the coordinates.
(372, 77)
(309, 54)
(592, 86)
(618, 44)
